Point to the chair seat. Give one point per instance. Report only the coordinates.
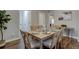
(54, 41)
(47, 43)
(50, 41)
(34, 44)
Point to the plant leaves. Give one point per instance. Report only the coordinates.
(4, 18)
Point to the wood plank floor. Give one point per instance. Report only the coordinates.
(69, 43)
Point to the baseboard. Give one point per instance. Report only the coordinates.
(12, 44)
(72, 37)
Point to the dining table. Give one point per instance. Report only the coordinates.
(41, 36)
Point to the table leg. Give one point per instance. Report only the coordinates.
(41, 45)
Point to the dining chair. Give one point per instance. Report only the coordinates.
(53, 42)
(69, 43)
(59, 38)
(26, 42)
(36, 28)
(29, 42)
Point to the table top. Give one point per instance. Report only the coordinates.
(41, 35)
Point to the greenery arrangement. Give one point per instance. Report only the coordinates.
(4, 18)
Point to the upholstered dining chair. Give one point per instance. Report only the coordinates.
(53, 42)
(29, 42)
(26, 42)
(36, 27)
(59, 38)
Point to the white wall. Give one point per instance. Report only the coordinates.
(13, 26)
(56, 14)
(76, 23)
(71, 23)
(34, 17)
(39, 17)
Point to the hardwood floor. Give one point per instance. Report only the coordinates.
(66, 43)
(11, 44)
(69, 43)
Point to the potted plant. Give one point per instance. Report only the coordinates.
(4, 19)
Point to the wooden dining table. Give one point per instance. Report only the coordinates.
(41, 36)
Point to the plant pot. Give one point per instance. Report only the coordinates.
(2, 43)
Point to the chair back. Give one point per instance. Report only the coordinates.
(36, 28)
(56, 39)
(59, 38)
(25, 37)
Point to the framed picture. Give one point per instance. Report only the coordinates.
(65, 15)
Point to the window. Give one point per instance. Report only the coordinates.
(24, 20)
